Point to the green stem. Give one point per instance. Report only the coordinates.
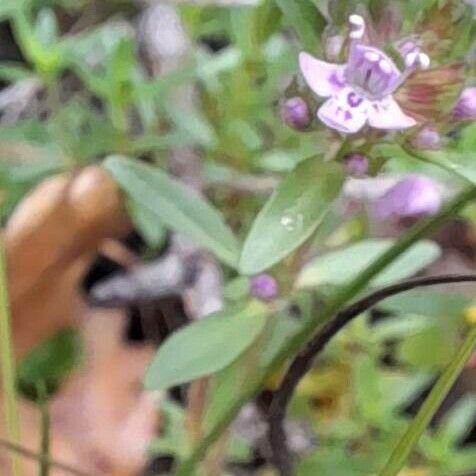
(430, 406)
(7, 361)
(44, 430)
(26, 453)
(342, 297)
(449, 167)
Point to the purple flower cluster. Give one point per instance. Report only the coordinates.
(361, 91)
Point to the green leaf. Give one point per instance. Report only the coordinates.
(291, 215)
(173, 437)
(401, 390)
(458, 164)
(13, 71)
(340, 267)
(149, 225)
(175, 205)
(331, 460)
(206, 346)
(430, 406)
(401, 326)
(49, 363)
(427, 303)
(459, 422)
(46, 27)
(428, 349)
(192, 122)
(305, 19)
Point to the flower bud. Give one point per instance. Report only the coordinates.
(356, 165)
(427, 139)
(465, 109)
(295, 113)
(413, 196)
(264, 287)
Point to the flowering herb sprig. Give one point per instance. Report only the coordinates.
(361, 91)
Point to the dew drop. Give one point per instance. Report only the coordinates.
(292, 222)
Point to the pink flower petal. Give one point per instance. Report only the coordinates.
(325, 79)
(346, 112)
(387, 114)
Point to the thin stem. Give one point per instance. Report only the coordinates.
(26, 453)
(430, 406)
(282, 457)
(7, 358)
(448, 167)
(44, 430)
(292, 346)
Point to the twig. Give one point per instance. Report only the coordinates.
(26, 453)
(281, 455)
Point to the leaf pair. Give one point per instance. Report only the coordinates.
(291, 215)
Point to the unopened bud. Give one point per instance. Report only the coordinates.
(295, 113)
(356, 165)
(264, 287)
(427, 139)
(465, 109)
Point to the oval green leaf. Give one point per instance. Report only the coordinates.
(206, 346)
(339, 267)
(291, 215)
(175, 205)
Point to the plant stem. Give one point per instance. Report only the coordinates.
(7, 358)
(342, 297)
(26, 453)
(430, 406)
(302, 363)
(44, 430)
(451, 168)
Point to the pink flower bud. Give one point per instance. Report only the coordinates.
(427, 139)
(465, 109)
(356, 165)
(413, 196)
(264, 287)
(295, 113)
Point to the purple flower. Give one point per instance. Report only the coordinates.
(295, 113)
(427, 139)
(360, 91)
(413, 196)
(356, 165)
(264, 287)
(465, 109)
